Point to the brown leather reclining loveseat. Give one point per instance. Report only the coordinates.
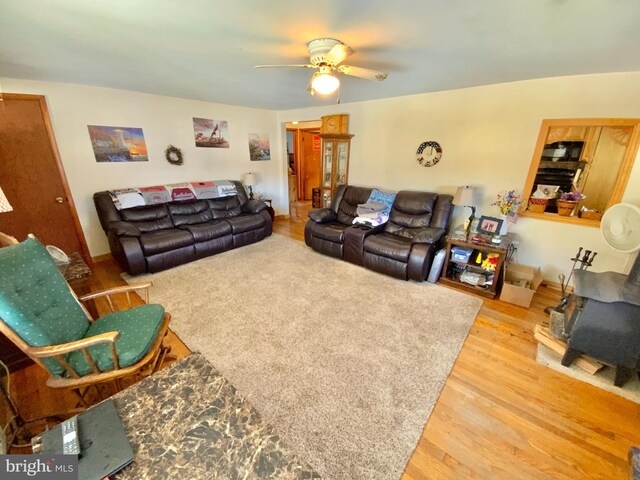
(403, 247)
(156, 237)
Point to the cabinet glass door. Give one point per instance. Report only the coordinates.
(343, 156)
(327, 161)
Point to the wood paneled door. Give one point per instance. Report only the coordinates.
(310, 167)
(32, 176)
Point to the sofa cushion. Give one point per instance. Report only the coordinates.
(428, 235)
(208, 231)
(148, 219)
(353, 196)
(254, 206)
(245, 223)
(333, 232)
(165, 240)
(411, 210)
(322, 215)
(225, 207)
(190, 213)
(390, 246)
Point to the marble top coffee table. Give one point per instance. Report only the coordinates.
(188, 421)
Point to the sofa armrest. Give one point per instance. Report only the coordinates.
(428, 235)
(323, 215)
(254, 206)
(124, 229)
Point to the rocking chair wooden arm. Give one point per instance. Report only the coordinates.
(116, 290)
(64, 348)
(119, 290)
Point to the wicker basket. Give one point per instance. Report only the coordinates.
(590, 214)
(537, 205)
(566, 208)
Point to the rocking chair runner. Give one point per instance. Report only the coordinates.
(40, 314)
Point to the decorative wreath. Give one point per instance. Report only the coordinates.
(173, 155)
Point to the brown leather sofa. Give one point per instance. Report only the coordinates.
(403, 247)
(152, 238)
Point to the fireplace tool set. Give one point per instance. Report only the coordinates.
(583, 260)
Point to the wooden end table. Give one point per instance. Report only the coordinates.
(451, 271)
(270, 209)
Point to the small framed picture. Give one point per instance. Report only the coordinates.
(489, 225)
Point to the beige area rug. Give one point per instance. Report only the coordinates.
(346, 363)
(603, 379)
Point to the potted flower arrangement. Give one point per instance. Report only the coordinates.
(568, 202)
(508, 204)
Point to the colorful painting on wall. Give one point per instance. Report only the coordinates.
(259, 148)
(118, 144)
(211, 133)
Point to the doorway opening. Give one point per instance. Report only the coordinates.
(304, 166)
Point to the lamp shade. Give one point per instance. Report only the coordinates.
(465, 196)
(249, 179)
(325, 83)
(5, 206)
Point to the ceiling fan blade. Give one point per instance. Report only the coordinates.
(310, 87)
(278, 66)
(362, 72)
(338, 53)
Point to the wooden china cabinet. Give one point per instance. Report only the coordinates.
(335, 163)
(336, 146)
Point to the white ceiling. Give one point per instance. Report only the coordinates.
(205, 49)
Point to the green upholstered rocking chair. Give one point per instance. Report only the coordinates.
(40, 314)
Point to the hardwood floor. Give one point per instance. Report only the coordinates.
(294, 227)
(500, 415)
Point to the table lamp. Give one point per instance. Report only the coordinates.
(465, 196)
(250, 181)
(5, 206)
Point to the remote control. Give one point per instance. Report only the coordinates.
(70, 441)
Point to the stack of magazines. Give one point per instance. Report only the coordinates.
(478, 279)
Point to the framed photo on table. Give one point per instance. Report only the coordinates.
(489, 225)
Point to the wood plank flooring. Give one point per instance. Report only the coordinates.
(500, 415)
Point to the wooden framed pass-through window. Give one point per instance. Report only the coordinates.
(590, 157)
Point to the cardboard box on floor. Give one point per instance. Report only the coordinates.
(519, 295)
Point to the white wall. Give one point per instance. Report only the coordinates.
(488, 135)
(165, 121)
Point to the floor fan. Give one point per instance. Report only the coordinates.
(620, 228)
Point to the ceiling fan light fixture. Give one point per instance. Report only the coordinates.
(325, 82)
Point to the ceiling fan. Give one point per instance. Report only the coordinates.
(326, 55)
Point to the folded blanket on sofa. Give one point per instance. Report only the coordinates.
(371, 207)
(381, 196)
(135, 197)
(371, 219)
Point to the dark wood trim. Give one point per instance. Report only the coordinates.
(56, 154)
